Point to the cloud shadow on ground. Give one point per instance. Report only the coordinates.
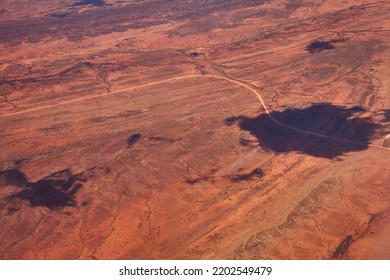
(324, 118)
(133, 139)
(53, 192)
(97, 3)
(255, 173)
(318, 46)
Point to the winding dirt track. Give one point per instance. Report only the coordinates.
(240, 83)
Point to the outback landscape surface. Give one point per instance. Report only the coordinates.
(194, 129)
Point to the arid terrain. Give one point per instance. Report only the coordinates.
(194, 129)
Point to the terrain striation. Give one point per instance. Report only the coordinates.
(194, 129)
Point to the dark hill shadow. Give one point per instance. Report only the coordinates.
(53, 192)
(252, 175)
(325, 118)
(387, 115)
(318, 46)
(97, 3)
(133, 139)
(255, 173)
(197, 180)
(13, 177)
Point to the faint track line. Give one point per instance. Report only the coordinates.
(240, 83)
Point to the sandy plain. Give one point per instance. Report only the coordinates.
(194, 129)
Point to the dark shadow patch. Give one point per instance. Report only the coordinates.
(318, 46)
(342, 248)
(82, 177)
(13, 177)
(197, 180)
(246, 142)
(157, 138)
(98, 3)
(11, 210)
(386, 143)
(53, 192)
(325, 119)
(255, 173)
(161, 139)
(133, 139)
(202, 178)
(291, 6)
(46, 194)
(386, 115)
(195, 54)
(59, 15)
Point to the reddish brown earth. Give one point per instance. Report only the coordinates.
(136, 129)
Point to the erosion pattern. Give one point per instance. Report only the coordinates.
(194, 129)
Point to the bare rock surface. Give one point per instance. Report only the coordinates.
(194, 129)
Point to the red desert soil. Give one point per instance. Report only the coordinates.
(194, 129)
